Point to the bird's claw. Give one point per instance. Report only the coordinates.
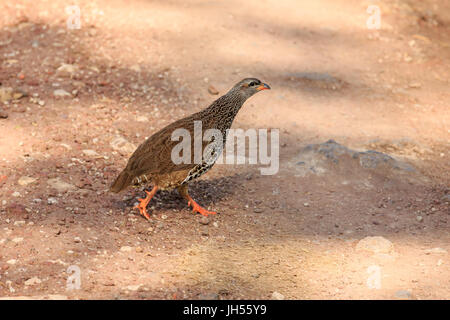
(197, 208)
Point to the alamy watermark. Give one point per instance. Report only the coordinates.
(73, 22)
(258, 147)
(74, 279)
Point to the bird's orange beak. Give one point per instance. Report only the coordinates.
(263, 86)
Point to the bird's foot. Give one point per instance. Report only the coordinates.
(142, 206)
(197, 208)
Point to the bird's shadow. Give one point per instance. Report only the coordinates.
(205, 192)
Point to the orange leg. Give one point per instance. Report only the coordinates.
(197, 208)
(183, 190)
(142, 206)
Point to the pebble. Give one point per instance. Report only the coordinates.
(258, 210)
(436, 250)
(126, 249)
(419, 218)
(208, 296)
(212, 90)
(142, 119)
(11, 262)
(17, 240)
(215, 224)
(33, 281)
(60, 185)
(204, 220)
(16, 194)
(375, 245)
(23, 181)
(277, 296)
(66, 70)
(19, 223)
(77, 239)
(61, 93)
(52, 200)
(403, 294)
(90, 153)
(122, 145)
(134, 288)
(3, 114)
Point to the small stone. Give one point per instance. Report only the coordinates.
(11, 262)
(17, 240)
(215, 224)
(375, 245)
(16, 209)
(19, 223)
(419, 218)
(122, 145)
(77, 239)
(208, 296)
(436, 250)
(142, 119)
(258, 210)
(134, 288)
(306, 204)
(66, 70)
(204, 220)
(3, 114)
(135, 68)
(90, 153)
(16, 194)
(60, 185)
(33, 281)
(61, 93)
(6, 93)
(415, 85)
(164, 217)
(52, 200)
(139, 250)
(403, 294)
(277, 296)
(212, 90)
(23, 181)
(126, 249)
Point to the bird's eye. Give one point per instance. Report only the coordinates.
(253, 83)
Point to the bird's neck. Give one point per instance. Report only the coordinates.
(227, 106)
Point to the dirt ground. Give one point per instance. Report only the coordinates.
(82, 99)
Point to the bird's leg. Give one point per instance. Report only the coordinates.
(183, 190)
(142, 206)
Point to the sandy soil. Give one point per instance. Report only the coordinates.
(136, 66)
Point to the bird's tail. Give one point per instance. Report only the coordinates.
(123, 180)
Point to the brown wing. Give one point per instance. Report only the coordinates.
(153, 156)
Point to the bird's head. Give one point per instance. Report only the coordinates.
(249, 86)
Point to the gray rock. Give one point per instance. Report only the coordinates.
(319, 158)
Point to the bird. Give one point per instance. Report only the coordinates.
(151, 162)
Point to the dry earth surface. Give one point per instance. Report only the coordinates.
(328, 225)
